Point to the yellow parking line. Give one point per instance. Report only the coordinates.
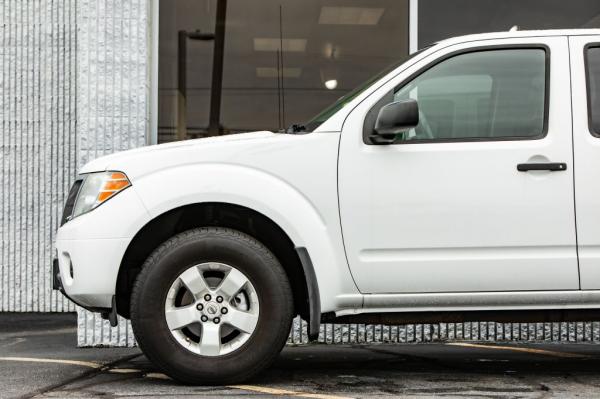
(271, 391)
(520, 349)
(124, 371)
(285, 392)
(159, 376)
(92, 365)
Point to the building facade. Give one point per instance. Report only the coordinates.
(83, 78)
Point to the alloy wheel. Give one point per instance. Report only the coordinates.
(212, 309)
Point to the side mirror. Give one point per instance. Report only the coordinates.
(395, 118)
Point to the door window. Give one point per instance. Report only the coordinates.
(592, 59)
(482, 95)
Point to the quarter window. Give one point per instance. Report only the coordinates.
(483, 95)
(593, 82)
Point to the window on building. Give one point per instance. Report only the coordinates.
(283, 61)
(441, 19)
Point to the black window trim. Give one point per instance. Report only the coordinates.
(543, 134)
(587, 86)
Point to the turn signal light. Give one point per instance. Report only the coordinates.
(114, 183)
(97, 188)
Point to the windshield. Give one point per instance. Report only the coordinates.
(343, 101)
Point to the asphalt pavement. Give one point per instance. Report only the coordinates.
(39, 358)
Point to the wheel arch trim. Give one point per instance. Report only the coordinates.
(314, 302)
(307, 222)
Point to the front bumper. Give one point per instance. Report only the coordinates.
(86, 270)
(91, 247)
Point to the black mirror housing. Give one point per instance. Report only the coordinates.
(395, 118)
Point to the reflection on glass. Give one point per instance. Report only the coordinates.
(592, 58)
(441, 19)
(306, 54)
(490, 94)
(341, 102)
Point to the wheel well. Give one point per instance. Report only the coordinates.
(232, 216)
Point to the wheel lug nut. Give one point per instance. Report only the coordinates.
(224, 310)
(199, 306)
(219, 299)
(204, 318)
(216, 320)
(207, 297)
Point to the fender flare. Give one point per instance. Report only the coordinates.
(310, 226)
(314, 301)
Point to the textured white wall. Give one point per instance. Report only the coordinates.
(74, 85)
(113, 85)
(38, 145)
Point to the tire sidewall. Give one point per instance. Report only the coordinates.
(212, 245)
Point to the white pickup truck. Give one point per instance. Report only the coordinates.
(462, 184)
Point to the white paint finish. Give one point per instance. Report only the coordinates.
(123, 218)
(89, 287)
(96, 241)
(458, 216)
(479, 301)
(289, 178)
(586, 170)
(117, 160)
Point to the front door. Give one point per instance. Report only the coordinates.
(446, 208)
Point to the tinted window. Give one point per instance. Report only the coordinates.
(441, 19)
(593, 79)
(492, 94)
(282, 61)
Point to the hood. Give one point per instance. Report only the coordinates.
(180, 150)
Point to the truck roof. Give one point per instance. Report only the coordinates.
(522, 33)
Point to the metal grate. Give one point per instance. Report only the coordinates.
(572, 332)
(441, 332)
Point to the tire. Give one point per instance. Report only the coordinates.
(183, 353)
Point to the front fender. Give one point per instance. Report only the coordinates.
(308, 224)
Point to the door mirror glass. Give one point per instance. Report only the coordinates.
(393, 119)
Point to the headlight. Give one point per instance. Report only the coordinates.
(98, 188)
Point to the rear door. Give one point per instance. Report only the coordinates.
(585, 75)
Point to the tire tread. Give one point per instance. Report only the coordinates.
(176, 241)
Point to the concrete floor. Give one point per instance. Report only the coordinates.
(38, 358)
